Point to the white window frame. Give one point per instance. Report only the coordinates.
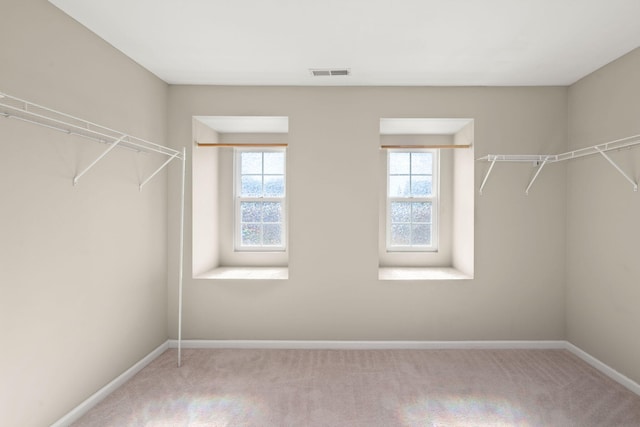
(238, 199)
(434, 199)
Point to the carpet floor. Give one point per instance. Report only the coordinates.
(368, 388)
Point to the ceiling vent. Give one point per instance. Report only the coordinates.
(319, 72)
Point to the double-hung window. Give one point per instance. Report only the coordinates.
(412, 200)
(260, 193)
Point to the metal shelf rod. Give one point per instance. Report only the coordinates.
(615, 165)
(111, 147)
(83, 128)
(82, 132)
(535, 176)
(158, 170)
(16, 108)
(542, 159)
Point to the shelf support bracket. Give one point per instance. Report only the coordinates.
(535, 176)
(158, 170)
(484, 181)
(113, 145)
(635, 185)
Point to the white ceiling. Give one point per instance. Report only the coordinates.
(406, 42)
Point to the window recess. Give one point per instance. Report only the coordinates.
(223, 207)
(446, 209)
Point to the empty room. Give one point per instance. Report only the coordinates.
(339, 213)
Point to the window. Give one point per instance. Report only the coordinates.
(260, 194)
(412, 200)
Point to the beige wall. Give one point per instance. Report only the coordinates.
(83, 272)
(82, 269)
(333, 291)
(603, 232)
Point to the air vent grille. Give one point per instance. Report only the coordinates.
(320, 72)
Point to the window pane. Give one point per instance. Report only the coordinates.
(251, 211)
(272, 212)
(421, 212)
(421, 234)
(251, 234)
(272, 234)
(399, 186)
(399, 163)
(274, 186)
(251, 186)
(421, 163)
(400, 212)
(421, 185)
(400, 234)
(251, 163)
(274, 163)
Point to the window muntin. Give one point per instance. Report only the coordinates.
(260, 192)
(412, 200)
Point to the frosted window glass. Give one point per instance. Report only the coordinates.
(261, 187)
(251, 186)
(251, 163)
(272, 234)
(251, 234)
(251, 211)
(400, 234)
(421, 163)
(274, 186)
(272, 212)
(400, 212)
(421, 212)
(399, 186)
(421, 185)
(412, 195)
(399, 163)
(274, 163)
(421, 234)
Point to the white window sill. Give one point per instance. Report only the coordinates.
(246, 273)
(413, 273)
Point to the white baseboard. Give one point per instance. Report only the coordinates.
(604, 368)
(75, 414)
(95, 398)
(367, 345)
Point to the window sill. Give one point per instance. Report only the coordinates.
(412, 273)
(246, 273)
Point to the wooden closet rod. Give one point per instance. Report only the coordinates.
(231, 144)
(385, 147)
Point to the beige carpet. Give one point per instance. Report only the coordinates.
(435, 388)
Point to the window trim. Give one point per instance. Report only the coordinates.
(434, 199)
(238, 199)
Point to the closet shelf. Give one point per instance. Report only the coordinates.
(16, 108)
(540, 160)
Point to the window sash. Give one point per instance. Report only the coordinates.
(239, 200)
(411, 223)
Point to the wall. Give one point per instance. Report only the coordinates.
(82, 269)
(603, 290)
(333, 291)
